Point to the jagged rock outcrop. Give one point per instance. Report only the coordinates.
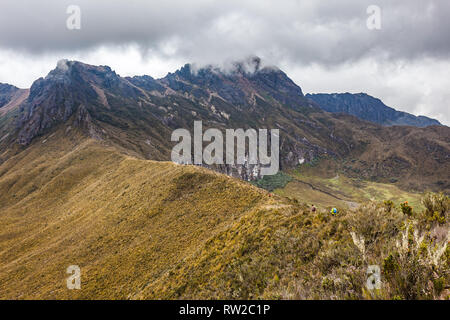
(71, 87)
(242, 85)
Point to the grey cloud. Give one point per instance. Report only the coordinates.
(297, 35)
(326, 32)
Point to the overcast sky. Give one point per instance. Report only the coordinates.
(324, 46)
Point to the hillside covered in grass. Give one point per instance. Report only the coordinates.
(142, 229)
(124, 221)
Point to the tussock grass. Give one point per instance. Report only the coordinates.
(124, 221)
(148, 230)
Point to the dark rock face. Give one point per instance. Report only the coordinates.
(7, 92)
(368, 108)
(146, 83)
(55, 98)
(240, 86)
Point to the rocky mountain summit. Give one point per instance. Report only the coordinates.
(67, 90)
(240, 86)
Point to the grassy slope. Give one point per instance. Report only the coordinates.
(143, 229)
(314, 187)
(123, 221)
(287, 252)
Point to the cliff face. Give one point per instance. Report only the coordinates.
(70, 88)
(368, 108)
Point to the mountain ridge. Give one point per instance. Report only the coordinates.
(138, 114)
(368, 108)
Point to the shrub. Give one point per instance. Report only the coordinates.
(436, 207)
(388, 205)
(390, 266)
(406, 209)
(415, 269)
(439, 285)
(374, 224)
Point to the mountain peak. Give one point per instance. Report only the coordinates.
(67, 70)
(71, 87)
(239, 83)
(7, 87)
(7, 92)
(239, 68)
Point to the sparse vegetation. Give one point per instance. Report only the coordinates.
(316, 256)
(406, 208)
(149, 230)
(271, 183)
(436, 207)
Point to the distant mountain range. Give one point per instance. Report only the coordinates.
(368, 108)
(138, 114)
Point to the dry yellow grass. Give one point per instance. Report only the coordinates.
(124, 221)
(151, 230)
